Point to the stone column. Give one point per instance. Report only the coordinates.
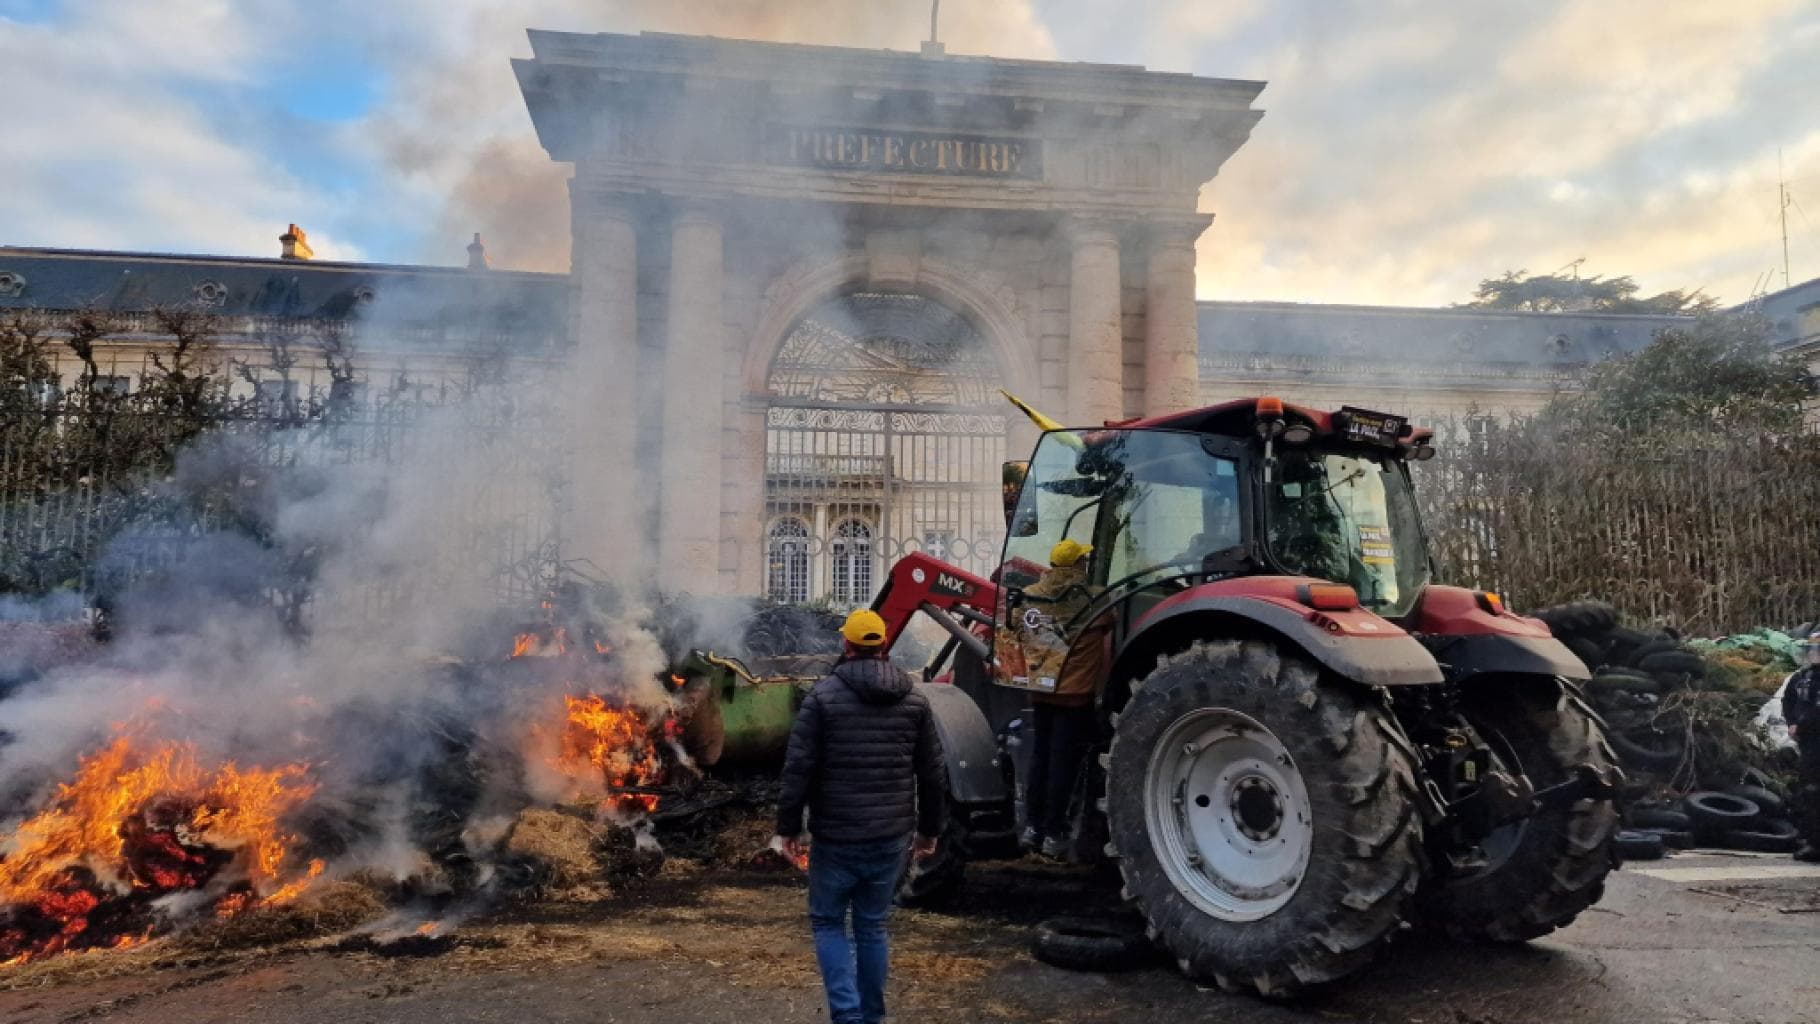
(1095, 356)
(689, 512)
(606, 525)
(1171, 330)
(745, 515)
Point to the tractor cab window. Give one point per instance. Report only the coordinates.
(1144, 504)
(1350, 519)
(1179, 507)
(1058, 502)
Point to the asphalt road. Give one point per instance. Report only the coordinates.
(1699, 938)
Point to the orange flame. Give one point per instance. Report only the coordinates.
(134, 824)
(619, 744)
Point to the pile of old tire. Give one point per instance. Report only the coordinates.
(1633, 670)
(1750, 816)
(1093, 942)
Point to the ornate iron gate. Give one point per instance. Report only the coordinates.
(879, 441)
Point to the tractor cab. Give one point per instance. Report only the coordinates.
(1163, 505)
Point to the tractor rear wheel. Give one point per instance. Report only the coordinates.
(1538, 873)
(1264, 820)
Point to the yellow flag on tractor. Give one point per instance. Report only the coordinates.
(1042, 422)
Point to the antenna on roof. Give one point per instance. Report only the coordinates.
(932, 47)
(1782, 200)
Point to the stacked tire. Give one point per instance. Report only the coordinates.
(1751, 816)
(1633, 671)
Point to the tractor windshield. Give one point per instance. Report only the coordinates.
(1349, 518)
(1139, 505)
(1146, 499)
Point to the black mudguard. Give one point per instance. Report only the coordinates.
(1463, 657)
(968, 746)
(1376, 661)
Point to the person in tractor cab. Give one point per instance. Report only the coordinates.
(865, 762)
(1801, 710)
(1066, 669)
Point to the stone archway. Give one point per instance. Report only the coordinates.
(724, 188)
(884, 434)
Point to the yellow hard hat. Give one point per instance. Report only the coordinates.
(864, 628)
(1068, 552)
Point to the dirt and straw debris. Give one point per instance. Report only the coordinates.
(713, 900)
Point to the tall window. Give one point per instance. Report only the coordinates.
(787, 555)
(852, 553)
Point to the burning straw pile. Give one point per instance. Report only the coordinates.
(527, 773)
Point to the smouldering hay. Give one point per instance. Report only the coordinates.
(743, 837)
(324, 909)
(561, 846)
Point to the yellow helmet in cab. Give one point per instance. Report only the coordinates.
(1068, 552)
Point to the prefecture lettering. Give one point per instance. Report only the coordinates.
(909, 153)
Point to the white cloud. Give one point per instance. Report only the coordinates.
(1409, 149)
(1534, 134)
(106, 146)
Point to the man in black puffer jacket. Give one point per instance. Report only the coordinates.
(865, 761)
(1801, 710)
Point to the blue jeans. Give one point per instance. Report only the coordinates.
(861, 876)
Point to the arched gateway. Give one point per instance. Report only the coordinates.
(800, 273)
(883, 435)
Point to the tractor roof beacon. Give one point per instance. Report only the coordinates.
(1310, 741)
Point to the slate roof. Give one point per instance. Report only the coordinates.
(1412, 335)
(534, 307)
(415, 298)
(1785, 308)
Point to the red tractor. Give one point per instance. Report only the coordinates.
(1304, 741)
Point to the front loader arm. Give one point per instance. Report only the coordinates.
(950, 596)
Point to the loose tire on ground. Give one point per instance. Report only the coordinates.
(1772, 805)
(1307, 912)
(1720, 812)
(1674, 838)
(1548, 868)
(1081, 943)
(1772, 836)
(1638, 846)
(1658, 818)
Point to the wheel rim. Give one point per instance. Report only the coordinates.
(1228, 814)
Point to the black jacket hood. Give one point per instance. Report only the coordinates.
(875, 680)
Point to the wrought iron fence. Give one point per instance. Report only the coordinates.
(849, 490)
(1714, 535)
(96, 492)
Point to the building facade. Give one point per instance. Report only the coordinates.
(800, 276)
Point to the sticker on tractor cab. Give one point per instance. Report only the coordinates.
(950, 585)
(1372, 427)
(1374, 546)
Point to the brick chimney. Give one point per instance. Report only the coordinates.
(296, 244)
(477, 253)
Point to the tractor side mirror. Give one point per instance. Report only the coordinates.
(1012, 476)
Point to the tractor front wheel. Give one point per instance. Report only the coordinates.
(1264, 820)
